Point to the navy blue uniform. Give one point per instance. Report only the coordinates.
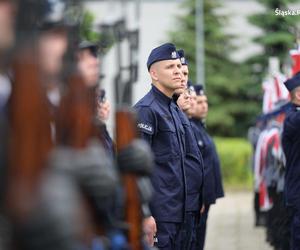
(213, 188)
(3, 150)
(291, 147)
(161, 127)
(194, 169)
(107, 141)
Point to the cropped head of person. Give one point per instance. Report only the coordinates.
(201, 106)
(7, 26)
(293, 86)
(88, 63)
(184, 93)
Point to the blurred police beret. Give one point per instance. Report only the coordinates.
(190, 84)
(166, 51)
(293, 82)
(199, 89)
(89, 45)
(182, 57)
(55, 14)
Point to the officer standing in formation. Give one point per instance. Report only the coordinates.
(291, 145)
(161, 127)
(193, 162)
(213, 188)
(194, 103)
(178, 177)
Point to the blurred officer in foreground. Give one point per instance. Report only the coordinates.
(160, 125)
(7, 37)
(291, 145)
(134, 159)
(88, 65)
(56, 187)
(213, 188)
(193, 161)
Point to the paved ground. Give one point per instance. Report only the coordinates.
(231, 225)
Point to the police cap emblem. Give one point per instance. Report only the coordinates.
(174, 55)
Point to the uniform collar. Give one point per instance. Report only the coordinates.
(199, 122)
(175, 97)
(161, 96)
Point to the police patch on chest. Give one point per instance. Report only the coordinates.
(145, 128)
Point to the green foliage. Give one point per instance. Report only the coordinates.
(235, 155)
(86, 28)
(232, 99)
(87, 32)
(278, 34)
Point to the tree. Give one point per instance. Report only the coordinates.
(86, 28)
(278, 30)
(228, 85)
(88, 33)
(278, 37)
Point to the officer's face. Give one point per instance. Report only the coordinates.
(193, 103)
(184, 101)
(185, 73)
(295, 96)
(88, 65)
(201, 108)
(167, 75)
(7, 20)
(52, 47)
(184, 80)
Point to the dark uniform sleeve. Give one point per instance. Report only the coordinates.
(292, 124)
(218, 174)
(146, 123)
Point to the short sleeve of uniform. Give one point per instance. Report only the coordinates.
(146, 122)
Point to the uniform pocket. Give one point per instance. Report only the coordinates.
(168, 175)
(166, 127)
(166, 140)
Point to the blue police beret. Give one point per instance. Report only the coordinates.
(293, 82)
(199, 89)
(166, 51)
(189, 83)
(94, 48)
(182, 57)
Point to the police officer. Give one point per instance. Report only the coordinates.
(88, 66)
(193, 162)
(160, 125)
(88, 63)
(213, 188)
(291, 145)
(7, 37)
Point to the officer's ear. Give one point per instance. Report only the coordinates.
(296, 94)
(153, 73)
